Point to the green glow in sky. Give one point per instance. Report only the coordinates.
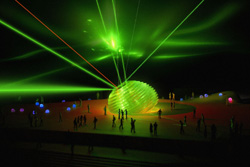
(166, 39)
(222, 15)
(55, 53)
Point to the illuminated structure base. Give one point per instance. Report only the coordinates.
(135, 96)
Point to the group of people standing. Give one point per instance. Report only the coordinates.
(35, 120)
(121, 114)
(79, 121)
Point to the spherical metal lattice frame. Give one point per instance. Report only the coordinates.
(135, 96)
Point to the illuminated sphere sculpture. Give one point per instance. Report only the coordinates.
(135, 96)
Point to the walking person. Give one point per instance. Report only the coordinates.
(185, 120)
(232, 122)
(194, 112)
(122, 114)
(30, 119)
(181, 129)
(155, 128)
(202, 119)
(121, 124)
(132, 125)
(84, 120)
(95, 120)
(126, 113)
(78, 120)
(119, 111)
(36, 120)
(105, 110)
(151, 128)
(75, 124)
(113, 122)
(41, 121)
(159, 113)
(60, 117)
(88, 108)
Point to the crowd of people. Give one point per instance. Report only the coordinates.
(36, 120)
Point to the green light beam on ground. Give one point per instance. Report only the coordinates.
(100, 12)
(55, 53)
(166, 38)
(118, 37)
(117, 70)
(48, 90)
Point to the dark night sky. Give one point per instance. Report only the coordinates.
(217, 59)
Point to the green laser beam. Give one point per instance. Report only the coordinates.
(123, 66)
(55, 53)
(49, 90)
(166, 38)
(172, 56)
(100, 12)
(116, 23)
(118, 36)
(117, 70)
(179, 43)
(133, 32)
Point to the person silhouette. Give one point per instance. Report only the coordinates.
(202, 119)
(159, 113)
(60, 117)
(155, 128)
(181, 129)
(121, 124)
(95, 120)
(75, 124)
(84, 120)
(105, 110)
(119, 111)
(88, 108)
(113, 121)
(132, 125)
(194, 112)
(122, 114)
(151, 128)
(185, 120)
(126, 113)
